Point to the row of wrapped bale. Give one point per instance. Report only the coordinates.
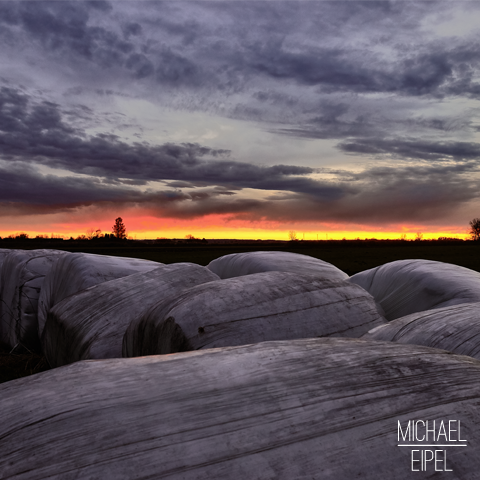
(31, 281)
(183, 307)
(428, 303)
(408, 286)
(36, 280)
(250, 307)
(165, 312)
(187, 307)
(286, 410)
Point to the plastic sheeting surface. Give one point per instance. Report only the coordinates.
(455, 328)
(305, 409)
(409, 286)
(21, 278)
(238, 264)
(251, 309)
(77, 271)
(91, 323)
(3, 253)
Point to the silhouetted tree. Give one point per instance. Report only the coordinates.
(418, 236)
(475, 228)
(19, 236)
(94, 234)
(292, 235)
(119, 229)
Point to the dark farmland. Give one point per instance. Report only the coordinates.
(350, 256)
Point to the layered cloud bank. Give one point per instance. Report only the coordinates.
(317, 115)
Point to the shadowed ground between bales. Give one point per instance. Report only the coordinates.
(16, 365)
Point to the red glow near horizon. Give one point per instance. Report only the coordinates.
(218, 226)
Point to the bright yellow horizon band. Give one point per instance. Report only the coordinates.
(252, 234)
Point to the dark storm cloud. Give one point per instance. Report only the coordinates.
(385, 196)
(63, 29)
(26, 190)
(69, 32)
(251, 41)
(196, 208)
(338, 120)
(37, 132)
(206, 181)
(423, 173)
(395, 195)
(337, 50)
(337, 70)
(379, 195)
(140, 65)
(328, 124)
(24, 184)
(414, 149)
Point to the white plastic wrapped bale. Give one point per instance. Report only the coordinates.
(252, 309)
(305, 409)
(238, 264)
(455, 328)
(21, 279)
(409, 286)
(91, 323)
(3, 253)
(77, 271)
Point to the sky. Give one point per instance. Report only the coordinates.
(240, 119)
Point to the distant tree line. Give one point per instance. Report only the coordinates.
(119, 232)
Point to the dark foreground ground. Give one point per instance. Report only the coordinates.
(350, 256)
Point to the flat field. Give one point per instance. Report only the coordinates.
(350, 256)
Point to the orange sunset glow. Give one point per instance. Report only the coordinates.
(216, 227)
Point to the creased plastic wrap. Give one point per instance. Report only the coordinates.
(251, 309)
(77, 271)
(303, 409)
(91, 323)
(408, 286)
(21, 279)
(455, 328)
